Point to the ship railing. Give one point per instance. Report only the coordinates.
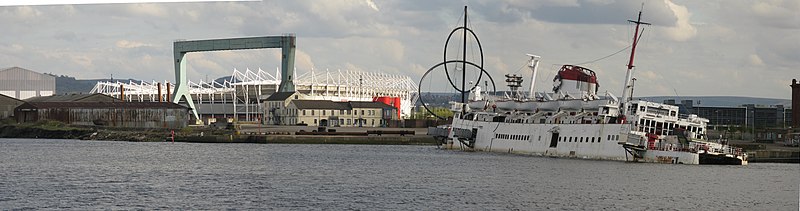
(696, 147)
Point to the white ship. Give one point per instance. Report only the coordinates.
(573, 121)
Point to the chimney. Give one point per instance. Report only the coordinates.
(159, 93)
(122, 92)
(795, 104)
(168, 93)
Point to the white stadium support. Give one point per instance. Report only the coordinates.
(239, 96)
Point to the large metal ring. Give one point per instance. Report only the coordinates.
(494, 87)
(444, 57)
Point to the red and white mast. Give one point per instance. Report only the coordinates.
(628, 89)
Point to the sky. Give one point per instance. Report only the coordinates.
(692, 48)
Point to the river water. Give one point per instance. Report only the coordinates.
(91, 175)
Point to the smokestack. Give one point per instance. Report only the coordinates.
(159, 93)
(168, 93)
(122, 92)
(795, 104)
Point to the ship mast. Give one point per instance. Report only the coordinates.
(628, 89)
(534, 64)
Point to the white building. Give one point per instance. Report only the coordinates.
(21, 83)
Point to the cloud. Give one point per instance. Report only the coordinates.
(755, 60)
(740, 40)
(682, 29)
(372, 5)
(156, 10)
(778, 13)
(131, 44)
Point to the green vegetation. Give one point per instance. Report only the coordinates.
(48, 125)
(439, 111)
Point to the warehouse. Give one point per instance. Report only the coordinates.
(110, 114)
(21, 83)
(7, 105)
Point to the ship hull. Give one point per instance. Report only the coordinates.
(586, 141)
(720, 159)
(581, 141)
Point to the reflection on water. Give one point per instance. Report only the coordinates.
(71, 174)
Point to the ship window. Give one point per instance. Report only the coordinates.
(570, 139)
(540, 138)
(592, 139)
(581, 139)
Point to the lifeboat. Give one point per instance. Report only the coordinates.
(508, 105)
(593, 104)
(548, 106)
(477, 105)
(527, 106)
(570, 105)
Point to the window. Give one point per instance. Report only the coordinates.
(324, 112)
(304, 112)
(349, 112)
(592, 139)
(570, 139)
(581, 139)
(341, 112)
(312, 113)
(315, 121)
(348, 121)
(362, 112)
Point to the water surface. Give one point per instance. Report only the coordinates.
(73, 174)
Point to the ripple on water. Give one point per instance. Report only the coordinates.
(71, 174)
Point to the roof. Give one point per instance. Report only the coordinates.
(279, 96)
(96, 97)
(16, 71)
(321, 104)
(9, 98)
(361, 104)
(132, 105)
(327, 104)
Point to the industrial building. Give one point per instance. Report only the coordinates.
(111, 114)
(744, 116)
(74, 98)
(21, 83)
(7, 106)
